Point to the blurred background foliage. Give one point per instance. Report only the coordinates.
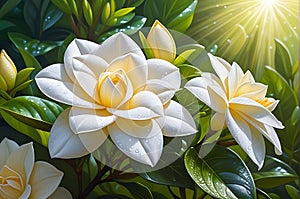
(260, 35)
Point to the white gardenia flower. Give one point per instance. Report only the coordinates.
(21, 177)
(113, 90)
(239, 104)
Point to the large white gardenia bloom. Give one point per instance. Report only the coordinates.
(21, 177)
(113, 90)
(240, 104)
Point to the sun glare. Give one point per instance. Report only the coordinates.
(245, 30)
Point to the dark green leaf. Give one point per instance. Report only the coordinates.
(130, 28)
(31, 16)
(221, 173)
(4, 24)
(64, 46)
(20, 87)
(23, 75)
(33, 111)
(90, 169)
(52, 16)
(283, 60)
(7, 6)
(4, 95)
(122, 20)
(115, 196)
(279, 88)
(34, 47)
(292, 191)
(37, 135)
(63, 5)
(172, 175)
(135, 3)
(137, 190)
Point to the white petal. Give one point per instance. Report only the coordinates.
(177, 121)
(118, 45)
(7, 146)
(54, 82)
(87, 69)
(134, 66)
(161, 42)
(218, 99)
(44, 180)
(255, 91)
(26, 193)
(234, 78)
(62, 193)
(217, 121)
(92, 140)
(220, 66)
(142, 106)
(139, 129)
(144, 150)
(255, 110)
(63, 142)
(251, 141)
(76, 48)
(21, 161)
(162, 89)
(86, 120)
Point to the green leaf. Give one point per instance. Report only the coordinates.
(63, 47)
(4, 24)
(52, 16)
(145, 46)
(105, 13)
(222, 174)
(63, 5)
(4, 95)
(73, 7)
(137, 190)
(123, 12)
(23, 75)
(292, 191)
(113, 22)
(37, 135)
(171, 175)
(34, 47)
(279, 88)
(89, 169)
(3, 84)
(115, 196)
(33, 111)
(30, 13)
(7, 6)
(135, 3)
(183, 21)
(283, 60)
(181, 59)
(130, 28)
(188, 71)
(20, 87)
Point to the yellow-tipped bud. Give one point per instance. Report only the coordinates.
(8, 70)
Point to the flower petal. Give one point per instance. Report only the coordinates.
(134, 66)
(139, 129)
(63, 142)
(87, 69)
(26, 193)
(76, 48)
(54, 82)
(161, 42)
(118, 45)
(7, 146)
(144, 150)
(86, 120)
(255, 110)
(177, 121)
(234, 77)
(250, 140)
(21, 161)
(61, 192)
(217, 122)
(220, 66)
(218, 100)
(92, 140)
(255, 91)
(44, 180)
(142, 106)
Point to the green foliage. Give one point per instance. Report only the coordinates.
(8, 5)
(222, 174)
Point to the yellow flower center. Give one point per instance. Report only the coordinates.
(11, 183)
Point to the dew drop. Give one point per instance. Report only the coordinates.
(271, 47)
(129, 139)
(137, 151)
(44, 108)
(229, 41)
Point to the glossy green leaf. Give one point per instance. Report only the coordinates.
(123, 12)
(73, 7)
(23, 75)
(33, 46)
(145, 46)
(87, 12)
(188, 71)
(182, 58)
(283, 60)
(4, 95)
(222, 174)
(135, 3)
(279, 88)
(137, 190)
(52, 16)
(31, 14)
(172, 175)
(4, 24)
(3, 84)
(130, 28)
(63, 5)
(292, 191)
(37, 135)
(96, 7)
(105, 13)
(120, 20)
(33, 111)
(7, 6)
(20, 87)
(273, 173)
